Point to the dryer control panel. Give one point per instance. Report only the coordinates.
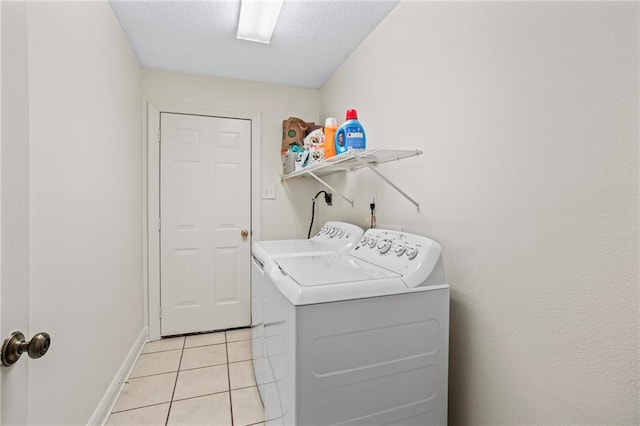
(341, 232)
(412, 256)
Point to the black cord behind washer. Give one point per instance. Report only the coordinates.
(327, 199)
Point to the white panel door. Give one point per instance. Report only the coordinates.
(205, 204)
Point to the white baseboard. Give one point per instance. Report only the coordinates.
(101, 414)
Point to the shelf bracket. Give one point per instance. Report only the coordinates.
(393, 185)
(330, 187)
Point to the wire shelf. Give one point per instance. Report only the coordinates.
(353, 160)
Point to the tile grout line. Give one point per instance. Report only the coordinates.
(182, 399)
(176, 382)
(138, 408)
(150, 375)
(228, 377)
(177, 349)
(207, 394)
(174, 371)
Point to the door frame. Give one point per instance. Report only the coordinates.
(1, 337)
(151, 239)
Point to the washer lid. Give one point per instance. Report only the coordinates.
(331, 278)
(318, 270)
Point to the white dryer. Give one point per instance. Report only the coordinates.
(333, 238)
(358, 338)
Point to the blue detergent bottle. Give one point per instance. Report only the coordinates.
(351, 134)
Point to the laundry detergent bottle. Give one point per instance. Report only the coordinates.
(351, 134)
(330, 128)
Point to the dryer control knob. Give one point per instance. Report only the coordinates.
(399, 250)
(340, 233)
(412, 253)
(384, 246)
(372, 242)
(363, 241)
(333, 232)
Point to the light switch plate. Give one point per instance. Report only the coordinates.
(269, 192)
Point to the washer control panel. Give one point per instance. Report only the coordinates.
(401, 252)
(391, 242)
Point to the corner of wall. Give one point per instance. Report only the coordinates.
(108, 401)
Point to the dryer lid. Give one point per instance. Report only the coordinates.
(318, 270)
(264, 250)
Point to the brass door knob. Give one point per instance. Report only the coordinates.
(15, 345)
(244, 233)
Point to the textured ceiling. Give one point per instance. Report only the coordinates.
(311, 40)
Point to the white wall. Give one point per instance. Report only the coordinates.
(288, 216)
(527, 114)
(84, 202)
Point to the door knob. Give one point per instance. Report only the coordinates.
(14, 345)
(244, 233)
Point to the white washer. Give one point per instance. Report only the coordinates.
(358, 338)
(334, 237)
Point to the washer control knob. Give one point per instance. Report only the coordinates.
(412, 253)
(384, 246)
(399, 250)
(372, 242)
(340, 233)
(363, 241)
(332, 232)
(323, 229)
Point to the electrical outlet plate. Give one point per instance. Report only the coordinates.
(269, 192)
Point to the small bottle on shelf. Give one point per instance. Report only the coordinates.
(330, 127)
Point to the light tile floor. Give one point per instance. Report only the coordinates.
(203, 379)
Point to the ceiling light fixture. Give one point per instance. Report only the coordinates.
(258, 19)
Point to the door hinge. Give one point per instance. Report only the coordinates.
(159, 224)
(160, 311)
(159, 131)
